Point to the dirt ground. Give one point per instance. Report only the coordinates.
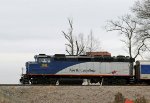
(69, 94)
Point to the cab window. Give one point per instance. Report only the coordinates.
(44, 60)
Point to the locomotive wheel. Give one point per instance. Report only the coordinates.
(121, 81)
(24, 80)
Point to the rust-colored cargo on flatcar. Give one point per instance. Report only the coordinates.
(103, 53)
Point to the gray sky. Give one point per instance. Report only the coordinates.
(29, 27)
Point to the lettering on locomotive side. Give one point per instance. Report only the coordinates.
(74, 70)
(88, 70)
(81, 71)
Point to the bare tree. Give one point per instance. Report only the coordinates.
(93, 44)
(126, 26)
(78, 45)
(75, 46)
(142, 9)
(143, 35)
(69, 37)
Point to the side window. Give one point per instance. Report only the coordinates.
(48, 60)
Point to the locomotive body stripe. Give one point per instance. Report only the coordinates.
(80, 68)
(53, 67)
(73, 75)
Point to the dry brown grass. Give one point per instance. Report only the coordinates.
(4, 99)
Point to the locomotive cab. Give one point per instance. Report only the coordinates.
(42, 58)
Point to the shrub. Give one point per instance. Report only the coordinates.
(119, 98)
(140, 100)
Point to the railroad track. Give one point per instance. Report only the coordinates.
(70, 85)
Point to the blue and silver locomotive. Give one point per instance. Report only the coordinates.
(62, 68)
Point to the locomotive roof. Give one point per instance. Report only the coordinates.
(42, 56)
(143, 62)
(63, 57)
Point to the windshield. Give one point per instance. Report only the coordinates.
(44, 60)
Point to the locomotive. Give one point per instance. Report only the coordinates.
(72, 69)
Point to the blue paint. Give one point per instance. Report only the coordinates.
(52, 68)
(145, 69)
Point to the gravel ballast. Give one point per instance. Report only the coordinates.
(70, 94)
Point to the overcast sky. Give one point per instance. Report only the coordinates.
(29, 27)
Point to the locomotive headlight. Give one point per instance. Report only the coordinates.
(44, 65)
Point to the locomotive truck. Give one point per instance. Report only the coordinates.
(61, 68)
